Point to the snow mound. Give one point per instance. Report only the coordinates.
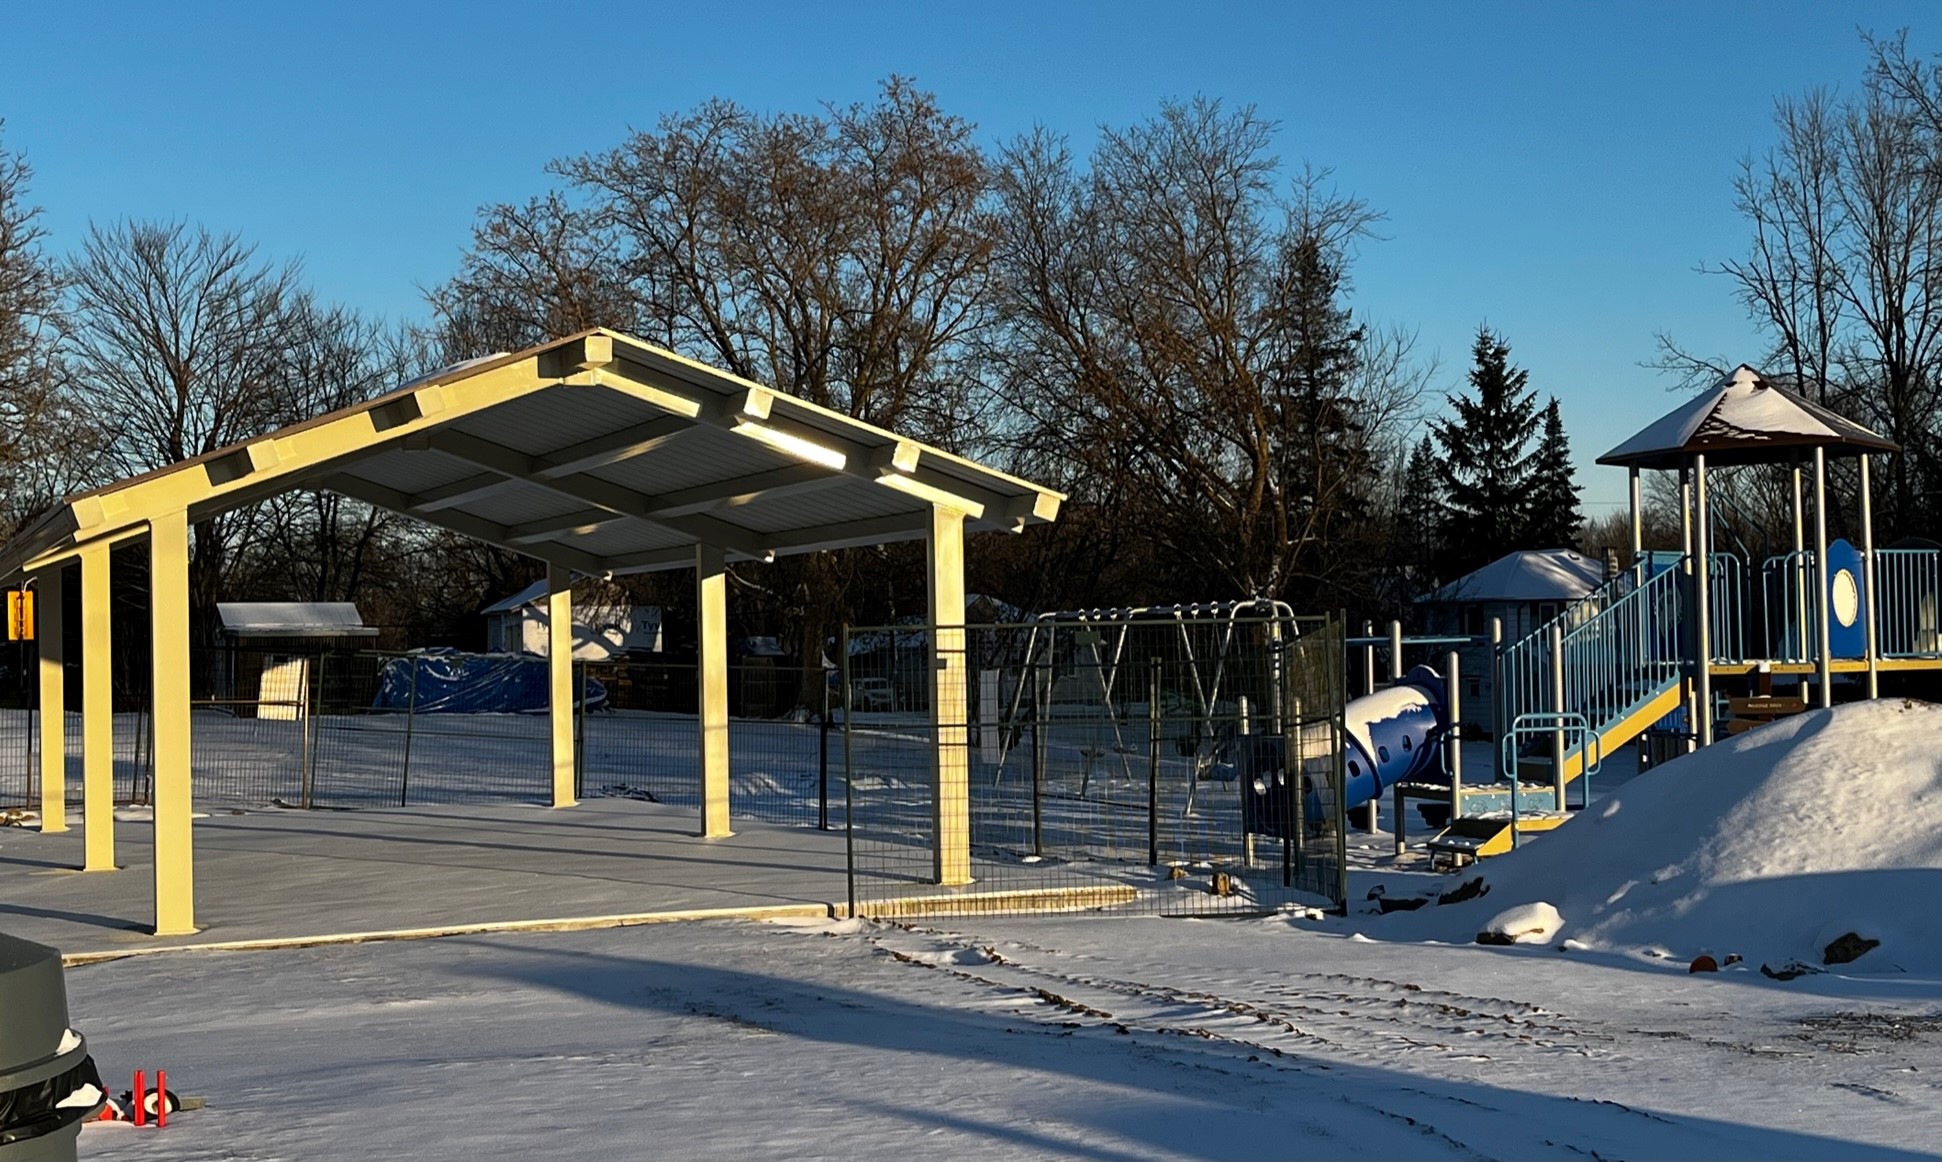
(1772, 845)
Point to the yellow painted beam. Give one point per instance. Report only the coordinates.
(168, 605)
(950, 698)
(53, 701)
(97, 713)
(1835, 665)
(711, 606)
(1628, 728)
(559, 674)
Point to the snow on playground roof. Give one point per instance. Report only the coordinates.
(597, 453)
(1744, 419)
(1530, 575)
(292, 619)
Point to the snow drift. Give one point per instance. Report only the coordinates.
(1771, 845)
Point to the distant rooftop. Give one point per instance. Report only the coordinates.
(1530, 575)
(293, 619)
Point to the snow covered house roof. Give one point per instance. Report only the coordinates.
(1531, 575)
(1744, 419)
(519, 600)
(292, 619)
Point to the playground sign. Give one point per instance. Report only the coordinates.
(20, 615)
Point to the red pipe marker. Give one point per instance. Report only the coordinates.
(141, 1113)
(161, 1099)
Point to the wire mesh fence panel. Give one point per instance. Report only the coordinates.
(642, 741)
(19, 749)
(1165, 763)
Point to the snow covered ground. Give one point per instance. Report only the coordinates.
(1367, 1035)
(1096, 1039)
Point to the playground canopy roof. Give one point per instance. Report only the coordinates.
(1530, 575)
(597, 453)
(1745, 419)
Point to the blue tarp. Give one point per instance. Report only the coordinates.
(452, 682)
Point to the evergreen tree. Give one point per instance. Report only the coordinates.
(1554, 518)
(1420, 516)
(1485, 465)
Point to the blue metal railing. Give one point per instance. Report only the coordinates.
(1578, 735)
(1793, 601)
(1907, 600)
(1612, 664)
(1908, 603)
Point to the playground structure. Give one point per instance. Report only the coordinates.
(1634, 660)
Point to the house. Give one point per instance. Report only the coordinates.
(603, 627)
(1523, 590)
(273, 650)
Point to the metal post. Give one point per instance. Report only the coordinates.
(1498, 722)
(1395, 651)
(1702, 570)
(411, 717)
(1797, 568)
(1368, 659)
(1453, 702)
(580, 731)
(1868, 576)
(1823, 664)
(1153, 763)
(1041, 711)
(1638, 529)
(303, 729)
(849, 772)
(1686, 516)
(822, 764)
(1557, 707)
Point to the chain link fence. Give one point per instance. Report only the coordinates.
(1174, 764)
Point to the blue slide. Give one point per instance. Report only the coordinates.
(1395, 735)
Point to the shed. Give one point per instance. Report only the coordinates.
(602, 629)
(271, 651)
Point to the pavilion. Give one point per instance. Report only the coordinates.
(598, 454)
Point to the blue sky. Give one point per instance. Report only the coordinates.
(1558, 170)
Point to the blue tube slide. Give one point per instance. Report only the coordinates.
(1394, 735)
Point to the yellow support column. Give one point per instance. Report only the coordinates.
(711, 608)
(951, 786)
(97, 714)
(53, 701)
(559, 673)
(168, 606)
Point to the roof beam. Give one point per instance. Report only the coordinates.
(478, 528)
(591, 490)
(460, 492)
(741, 490)
(876, 530)
(583, 520)
(625, 444)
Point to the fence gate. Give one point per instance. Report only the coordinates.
(1167, 763)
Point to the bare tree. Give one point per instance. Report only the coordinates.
(1174, 346)
(178, 341)
(320, 546)
(841, 256)
(42, 439)
(1844, 267)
